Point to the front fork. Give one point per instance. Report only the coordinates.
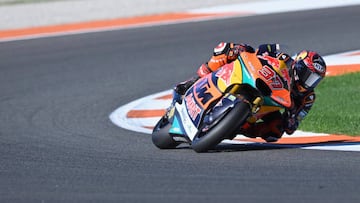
(255, 103)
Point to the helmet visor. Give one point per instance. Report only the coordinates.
(312, 80)
(308, 78)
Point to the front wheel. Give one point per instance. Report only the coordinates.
(226, 127)
(161, 137)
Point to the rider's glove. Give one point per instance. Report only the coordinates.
(225, 53)
(234, 52)
(217, 61)
(203, 70)
(244, 47)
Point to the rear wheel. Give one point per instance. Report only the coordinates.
(161, 137)
(225, 128)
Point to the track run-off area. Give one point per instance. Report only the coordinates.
(192, 15)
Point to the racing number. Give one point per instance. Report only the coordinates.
(269, 74)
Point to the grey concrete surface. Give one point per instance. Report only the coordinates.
(35, 13)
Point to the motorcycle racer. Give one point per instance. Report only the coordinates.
(306, 70)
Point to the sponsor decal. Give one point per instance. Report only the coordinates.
(277, 83)
(319, 67)
(269, 74)
(188, 125)
(274, 62)
(286, 76)
(225, 74)
(193, 109)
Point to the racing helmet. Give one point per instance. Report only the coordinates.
(308, 69)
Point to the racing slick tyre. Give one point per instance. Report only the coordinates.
(161, 137)
(226, 127)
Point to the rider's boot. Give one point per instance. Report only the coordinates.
(178, 93)
(182, 87)
(270, 131)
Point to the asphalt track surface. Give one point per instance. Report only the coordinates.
(57, 143)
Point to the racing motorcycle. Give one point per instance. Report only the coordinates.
(216, 106)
